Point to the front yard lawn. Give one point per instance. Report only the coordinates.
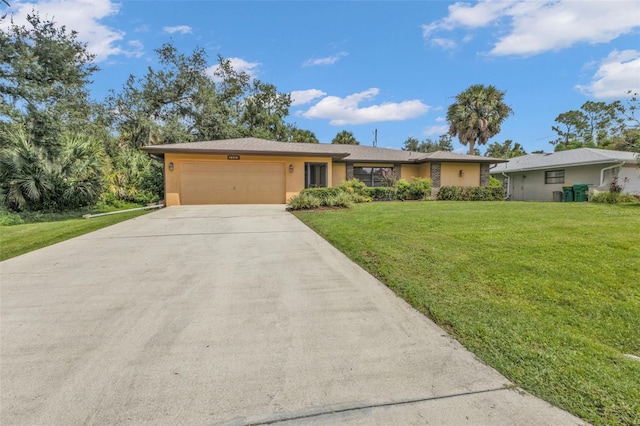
(546, 293)
(19, 239)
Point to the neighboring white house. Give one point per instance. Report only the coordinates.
(536, 177)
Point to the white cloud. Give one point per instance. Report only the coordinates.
(560, 25)
(239, 65)
(444, 43)
(618, 73)
(84, 17)
(435, 130)
(440, 119)
(301, 97)
(467, 15)
(182, 29)
(342, 111)
(540, 26)
(136, 49)
(330, 60)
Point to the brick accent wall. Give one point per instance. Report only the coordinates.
(349, 171)
(484, 174)
(435, 175)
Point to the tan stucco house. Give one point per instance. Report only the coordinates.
(258, 171)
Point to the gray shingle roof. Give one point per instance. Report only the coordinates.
(573, 157)
(246, 146)
(350, 153)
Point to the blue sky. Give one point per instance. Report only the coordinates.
(390, 66)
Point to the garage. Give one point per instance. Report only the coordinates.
(232, 183)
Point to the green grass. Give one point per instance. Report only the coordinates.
(19, 239)
(546, 293)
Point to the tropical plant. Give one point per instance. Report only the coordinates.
(300, 135)
(30, 178)
(345, 138)
(26, 173)
(134, 177)
(477, 115)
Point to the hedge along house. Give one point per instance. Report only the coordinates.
(258, 171)
(536, 177)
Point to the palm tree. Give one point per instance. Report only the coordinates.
(345, 138)
(26, 174)
(477, 115)
(33, 179)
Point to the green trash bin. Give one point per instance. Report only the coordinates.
(580, 192)
(567, 193)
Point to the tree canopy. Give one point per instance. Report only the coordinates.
(477, 115)
(44, 73)
(595, 124)
(428, 145)
(505, 150)
(345, 138)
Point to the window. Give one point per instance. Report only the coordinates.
(554, 176)
(315, 175)
(373, 176)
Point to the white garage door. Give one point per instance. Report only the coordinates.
(232, 183)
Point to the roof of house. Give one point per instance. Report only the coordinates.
(349, 153)
(570, 158)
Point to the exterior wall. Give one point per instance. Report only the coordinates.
(408, 171)
(633, 173)
(424, 170)
(294, 181)
(530, 186)
(450, 174)
(339, 173)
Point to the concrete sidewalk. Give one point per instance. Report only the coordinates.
(229, 315)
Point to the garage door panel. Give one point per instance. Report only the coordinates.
(240, 183)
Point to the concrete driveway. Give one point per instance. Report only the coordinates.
(229, 315)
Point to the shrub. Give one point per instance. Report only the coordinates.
(8, 218)
(420, 189)
(135, 177)
(353, 186)
(403, 190)
(360, 198)
(322, 193)
(304, 201)
(615, 186)
(381, 193)
(612, 198)
(494, 183)
(341, 199)
(471, 193)
(311, 198)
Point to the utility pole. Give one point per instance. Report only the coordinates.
(375, 137)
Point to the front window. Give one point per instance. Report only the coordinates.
(373, 176)
(554, 176)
